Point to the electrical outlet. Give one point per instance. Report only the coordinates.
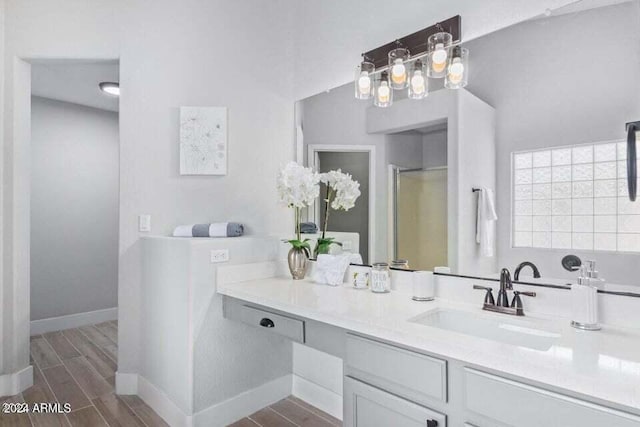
(144, 223)
(219, 255)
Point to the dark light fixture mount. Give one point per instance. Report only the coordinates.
(632, 161)
(416, 42)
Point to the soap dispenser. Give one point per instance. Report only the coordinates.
(593, 276)
(584, 303)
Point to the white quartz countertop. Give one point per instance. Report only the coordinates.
(604, 364)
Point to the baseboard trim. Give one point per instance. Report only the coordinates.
(246, 403)
(126, 383)
(16, 382)
(163, 406)
(218, 415)
(315, 395)
(73, 320)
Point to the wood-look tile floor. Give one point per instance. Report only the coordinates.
(77, 366)
(289, 412)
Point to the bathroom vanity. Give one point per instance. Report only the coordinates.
(447, 362)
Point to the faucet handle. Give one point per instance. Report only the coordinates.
(488, 297)
(517, 302)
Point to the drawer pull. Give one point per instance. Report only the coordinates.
(432, 423)
(267, 323)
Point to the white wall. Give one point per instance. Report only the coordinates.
(548, 88)
(74, 209)
(171, 54)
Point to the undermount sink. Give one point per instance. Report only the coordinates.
(514, 331)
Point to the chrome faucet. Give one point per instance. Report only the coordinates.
(536, 272)
(502, 304)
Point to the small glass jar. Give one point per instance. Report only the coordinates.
(400, 263)
(359, 276)
(380, 278)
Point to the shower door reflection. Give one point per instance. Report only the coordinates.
(420, 217)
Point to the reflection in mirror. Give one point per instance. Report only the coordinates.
(419, 194)
(542, 123)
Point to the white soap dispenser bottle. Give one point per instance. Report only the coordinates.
(584, 303)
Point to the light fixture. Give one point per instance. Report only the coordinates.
(111, 88)
(458, 68)
(383, 95)
(364, 80)
(397, 59)
(418, 83)
(438, 46)
(409, 63)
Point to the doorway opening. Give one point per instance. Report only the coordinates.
(74, 196)
(358, 161)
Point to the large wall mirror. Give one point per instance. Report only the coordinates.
(541, 123)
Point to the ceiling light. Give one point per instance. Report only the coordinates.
(364, 80)
(409, 62)
(419, 83)
(383, 96)
(458, 69)
(397, 59)
(110, 88)
(438, 46)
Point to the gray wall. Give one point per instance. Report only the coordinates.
(355, 219)
(559, 81)
(74, 209)
(434, 151)
(405, 150)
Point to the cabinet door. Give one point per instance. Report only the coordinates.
(523, 405)
(367, 406)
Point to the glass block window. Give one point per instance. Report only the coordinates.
(574, 197)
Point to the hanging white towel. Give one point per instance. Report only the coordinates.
(486, 218)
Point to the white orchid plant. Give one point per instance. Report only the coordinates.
(342, 193)
(298, 187)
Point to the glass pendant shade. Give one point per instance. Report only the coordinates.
(383, 94)
(418, 81)
(457, 69)
(399, 76)
(438, 48)
(364, 80)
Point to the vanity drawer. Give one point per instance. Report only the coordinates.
(367, 406)
(288, 326)
(522, 405)
(417, 377)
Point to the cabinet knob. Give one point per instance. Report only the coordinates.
(268, 323)
(432, 423)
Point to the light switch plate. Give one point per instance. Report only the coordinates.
(219, 255)
(144, 223)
